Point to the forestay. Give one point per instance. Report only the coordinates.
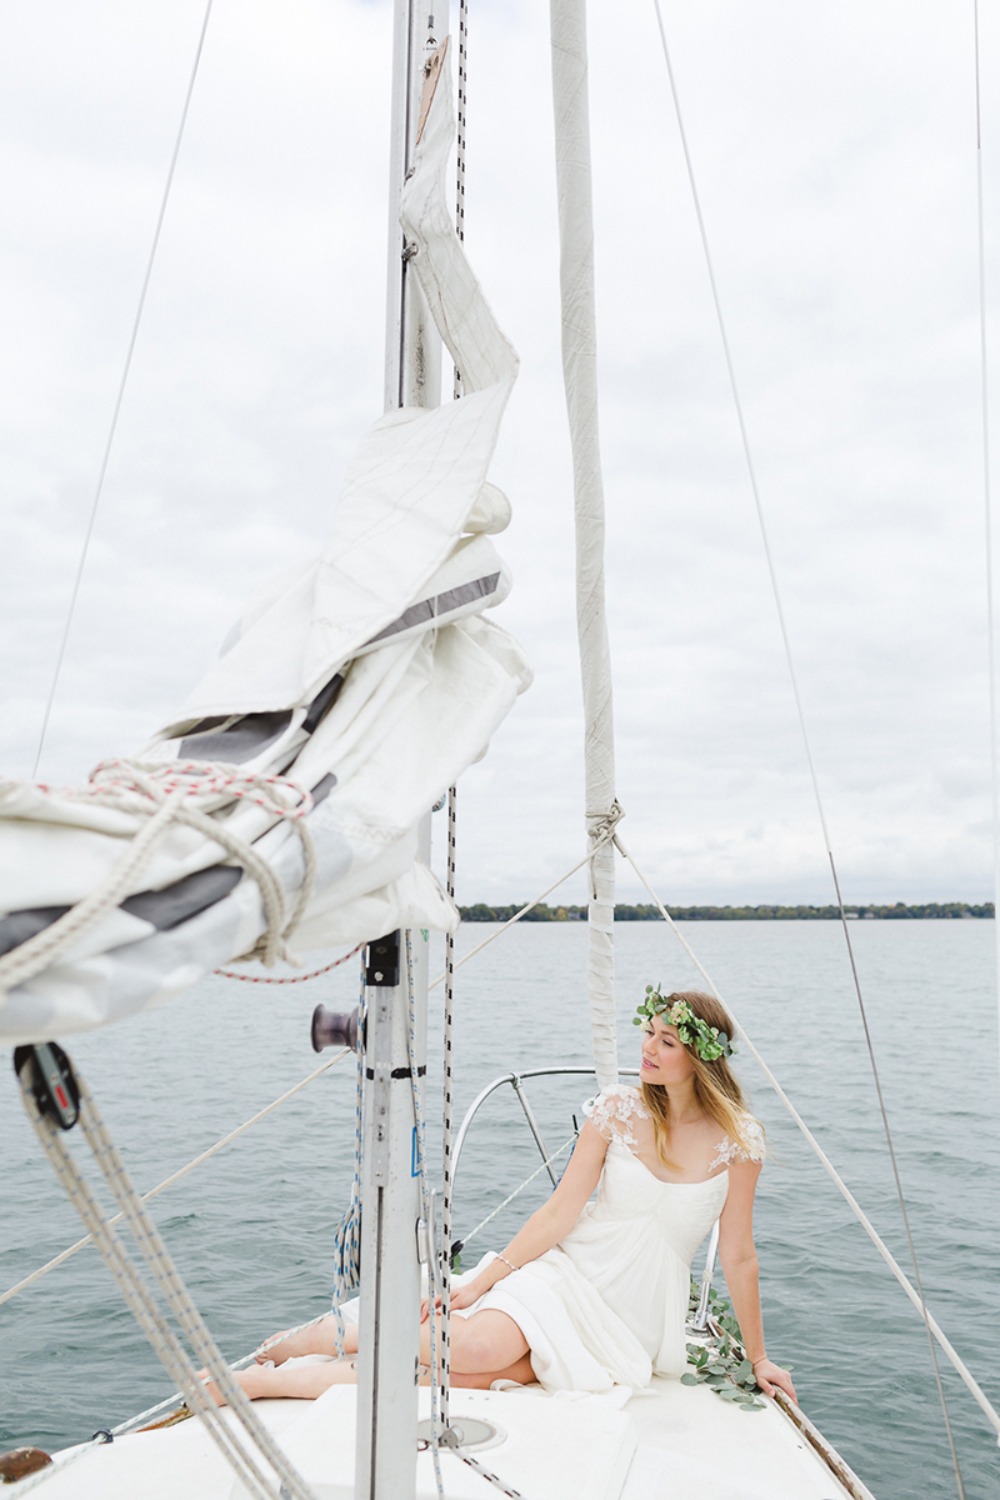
(368, 678)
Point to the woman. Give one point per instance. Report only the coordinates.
(588, 1295)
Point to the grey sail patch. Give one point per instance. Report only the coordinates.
(18, 926)
(184, 899)
(323, 788)
(429, 610)
(243, 740)
(322, 703)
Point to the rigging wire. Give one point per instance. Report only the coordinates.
(559, 1151)
(561, 880)
(987, 503)
(800, 711)
(112, 430)
(972, 1385)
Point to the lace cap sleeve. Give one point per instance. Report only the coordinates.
(728, 1150)
(613, 1112)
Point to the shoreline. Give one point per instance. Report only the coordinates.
(625, 912)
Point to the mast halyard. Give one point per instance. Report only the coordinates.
(388, 1354)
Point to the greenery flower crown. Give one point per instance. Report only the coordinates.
(708, 1041)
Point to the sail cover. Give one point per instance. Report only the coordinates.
(345, 701)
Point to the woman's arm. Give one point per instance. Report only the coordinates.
(738, 1258)
(548, 1224)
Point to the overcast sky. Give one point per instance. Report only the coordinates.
(834, 145)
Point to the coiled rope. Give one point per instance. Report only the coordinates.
(166, 795)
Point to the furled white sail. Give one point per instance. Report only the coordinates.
(368, 679)
(579, 352)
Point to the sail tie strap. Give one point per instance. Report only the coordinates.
(140, 1298)
(601, 828)
(179, 793)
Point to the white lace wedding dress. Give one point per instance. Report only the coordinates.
(608, 1304)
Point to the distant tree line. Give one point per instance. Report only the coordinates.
(480, 912)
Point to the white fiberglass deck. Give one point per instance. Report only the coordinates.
(675, 1440)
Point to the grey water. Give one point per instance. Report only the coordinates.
(251, 1230)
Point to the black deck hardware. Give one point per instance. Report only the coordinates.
(382, 967)
(52, 1082)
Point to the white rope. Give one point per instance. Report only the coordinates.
(931, 1323)
(168, 794)
(121, 394)
(182, 1172)
(141, 1301)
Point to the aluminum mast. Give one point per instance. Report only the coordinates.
(390, 1255)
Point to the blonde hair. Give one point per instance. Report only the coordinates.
(716, 1086)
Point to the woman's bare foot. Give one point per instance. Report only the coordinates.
(295, 1383)
(315, 1338)
(278, 1347)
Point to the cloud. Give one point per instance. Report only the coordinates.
(834, 153)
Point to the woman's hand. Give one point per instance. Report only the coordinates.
(462, 1296)
(771, 1377)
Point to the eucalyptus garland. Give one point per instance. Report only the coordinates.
(721, 1363)
(708, 1041)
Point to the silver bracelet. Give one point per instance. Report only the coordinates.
(507, 1262)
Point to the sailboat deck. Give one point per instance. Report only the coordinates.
(674, 1439)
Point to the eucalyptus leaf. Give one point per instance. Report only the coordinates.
(688, 1379)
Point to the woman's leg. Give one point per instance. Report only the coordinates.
(486, 1347)
(488, 1342)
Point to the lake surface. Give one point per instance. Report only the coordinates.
(252, 1229)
